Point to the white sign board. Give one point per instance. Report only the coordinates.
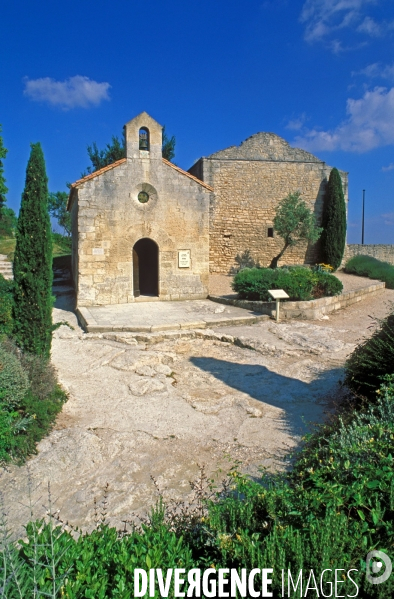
(98, 251)
(278, 293)
(184, 258)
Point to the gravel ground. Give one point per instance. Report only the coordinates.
(137, 409)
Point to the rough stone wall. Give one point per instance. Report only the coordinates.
(74, 250)
(379, 251)
(111, 220)
(249, 180)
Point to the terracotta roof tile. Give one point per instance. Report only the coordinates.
(99, 172)
(180, 170)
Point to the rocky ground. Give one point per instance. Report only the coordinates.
(159, 405)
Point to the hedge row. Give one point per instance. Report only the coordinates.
(300, 283)
(367, 266)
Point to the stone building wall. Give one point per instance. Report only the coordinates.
(249, 180)
(379, 251)
(111, 219)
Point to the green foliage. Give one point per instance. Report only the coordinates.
(61, 245)
(299, 283)
(111, 153)
(6, 306)
(30, 399)
(371, 360)
(14, 381)
(333, 238)
(8, 222)
(117, 150)
(294, 222)
(3, 188)
(168, 147)
(99, 565)
(33, 262)
(57, 206)
(367, 266)
(333, 507)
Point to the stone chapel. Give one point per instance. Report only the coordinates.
(144, 228)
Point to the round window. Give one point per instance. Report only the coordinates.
(143, 197)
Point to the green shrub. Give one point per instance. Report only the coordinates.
(30, 400)
(253, 283)
(41, 375)
(335, 506)
(371, 360)
(6, 305)
(333, 239)
(14, 381)
(33, 262)
(300, 283)
(367, 266)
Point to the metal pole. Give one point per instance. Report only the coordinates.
(362, 226)
(277, 310)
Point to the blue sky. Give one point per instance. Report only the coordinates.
(319, 73)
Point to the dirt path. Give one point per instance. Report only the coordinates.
(139, 409)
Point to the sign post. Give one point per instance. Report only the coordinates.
(277, 295)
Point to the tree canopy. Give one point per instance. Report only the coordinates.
(33, 262)
(334, 222)
(294, 222)
(117, 149)
(57, 207)
(3, 187)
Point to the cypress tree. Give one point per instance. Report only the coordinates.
(334, 222)
(33, 262)
(3, 188)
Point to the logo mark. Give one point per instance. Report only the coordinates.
(376, 567)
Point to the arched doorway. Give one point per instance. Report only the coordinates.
(146, 268)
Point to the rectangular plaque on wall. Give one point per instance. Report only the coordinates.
(184, 259)
(98, 251)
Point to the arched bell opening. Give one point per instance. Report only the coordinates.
(144, 141)
(146, 268)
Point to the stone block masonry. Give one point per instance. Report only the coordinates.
(144, 228)
(385, 253)
(306, 310)
(249, 181)
(109, 217)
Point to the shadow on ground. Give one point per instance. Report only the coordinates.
(302, 402)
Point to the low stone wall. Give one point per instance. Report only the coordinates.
(379, 251)
(310, 310)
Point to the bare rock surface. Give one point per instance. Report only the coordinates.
(160, 405)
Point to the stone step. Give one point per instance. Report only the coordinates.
(6, 268)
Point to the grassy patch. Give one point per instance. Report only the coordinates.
(367, 266)
(61, 245)
(7, 246)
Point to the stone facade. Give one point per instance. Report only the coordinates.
(122, 243)
(142, 227)
(379, 251)
(249, 180)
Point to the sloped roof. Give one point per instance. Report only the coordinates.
(109, 167)
(265, 146)
(99, 172)
(180, 170)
